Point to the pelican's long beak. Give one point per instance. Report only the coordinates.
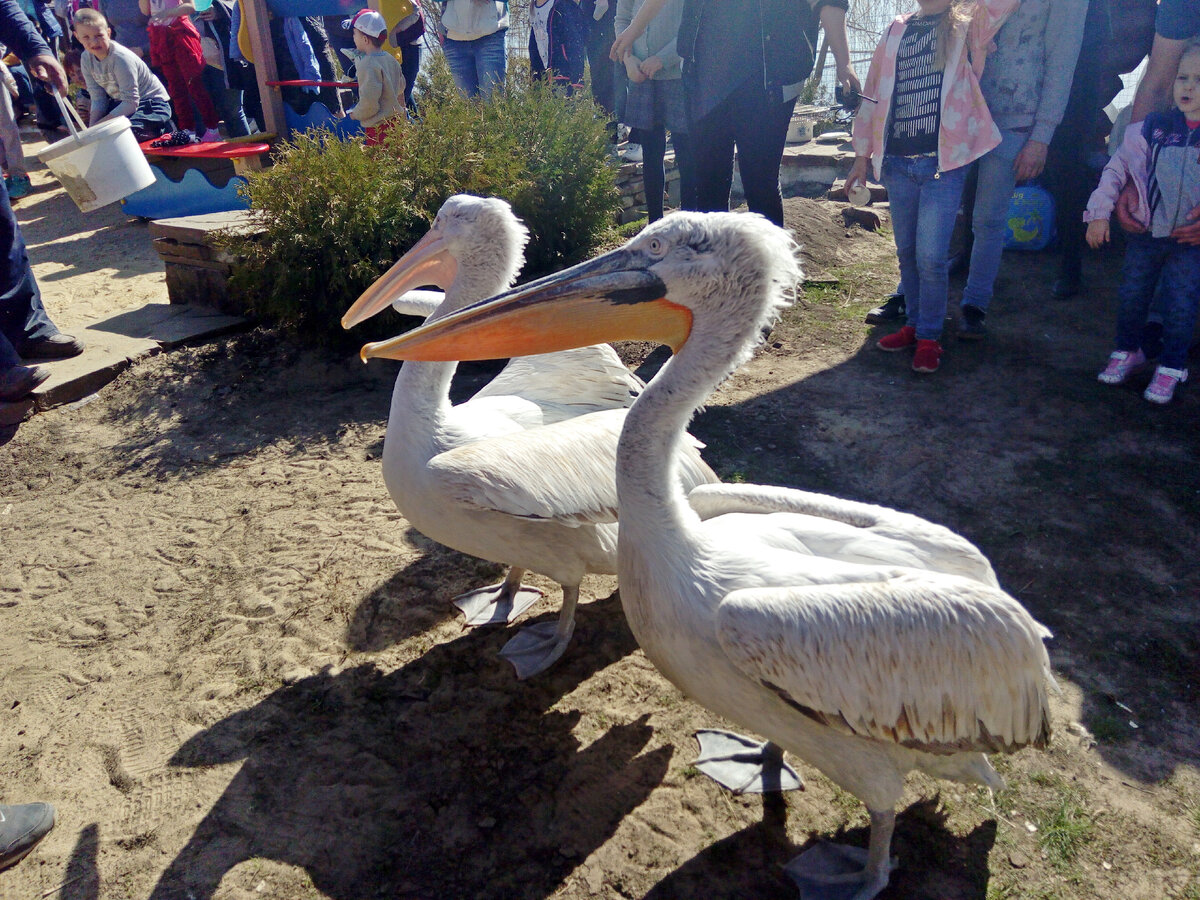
(428, 262)
(611, 298)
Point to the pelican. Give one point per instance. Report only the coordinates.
(866, 669)
(442, 464)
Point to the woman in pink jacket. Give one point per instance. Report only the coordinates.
(922, 120)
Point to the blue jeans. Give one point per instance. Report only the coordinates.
(993, 192)
(1146, 259)
(227, 100)
(151, 118)
(410, 66)
(477, 65)
(22, 315)
(924, 204)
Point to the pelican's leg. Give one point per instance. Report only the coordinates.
(535, 648)
(840, 872)
(744, 766)
(501, 602)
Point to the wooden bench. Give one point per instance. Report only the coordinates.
(246, 155)
(195, 178)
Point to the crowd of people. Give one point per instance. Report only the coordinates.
(960, 92)
(174, 66)
(965, 99)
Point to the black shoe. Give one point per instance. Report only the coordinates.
(1152, 339)
(57, 346)
(1065, 287)
(21, 827)
(18, 382)
(973, 325)
(890, 310)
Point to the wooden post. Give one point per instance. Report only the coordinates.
(258, 21)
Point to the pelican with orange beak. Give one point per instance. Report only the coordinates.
(867, 641)
(504, 475)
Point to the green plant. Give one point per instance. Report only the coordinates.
(333, 215)
(1065, 829)
(331, 222)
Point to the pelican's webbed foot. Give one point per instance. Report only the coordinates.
(744, 766)
(497, 603)
(537, 647)
(830, 871)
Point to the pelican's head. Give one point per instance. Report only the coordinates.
(475, 246)
(712, 278)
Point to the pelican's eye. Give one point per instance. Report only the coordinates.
(657, 247)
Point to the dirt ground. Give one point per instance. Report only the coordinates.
(236, 672)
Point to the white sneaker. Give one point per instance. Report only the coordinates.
(1163, 384)
(633, 153)
(1122, 364)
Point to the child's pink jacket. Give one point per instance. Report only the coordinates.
(967, 130)
(1129, 163)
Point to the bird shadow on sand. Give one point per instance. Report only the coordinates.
(934, 862)
(418, 597)
(391, 784)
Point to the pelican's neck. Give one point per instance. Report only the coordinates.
(648, 485)
(421, 398)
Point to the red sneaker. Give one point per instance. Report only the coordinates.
(927, 357)
(905, 337)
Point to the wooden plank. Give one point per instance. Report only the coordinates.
(207, 264)
(196, 229)
(258, 20)
(172, 250)
(244, 165)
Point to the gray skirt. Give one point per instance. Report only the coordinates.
(656, 104)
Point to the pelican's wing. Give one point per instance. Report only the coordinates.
(935, 663)
(568, 384)
(418, 303)
(564, 472)
(930, 546)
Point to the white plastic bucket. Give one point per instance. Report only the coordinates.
(800, 131)
(97, 165)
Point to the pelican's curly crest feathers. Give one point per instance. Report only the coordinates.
(725, 258)
(485, 234)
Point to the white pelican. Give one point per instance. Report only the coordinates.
(442, 464)
(867, 669)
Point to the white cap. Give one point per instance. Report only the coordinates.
(369, 22)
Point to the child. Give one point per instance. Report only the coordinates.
(12, 155)
(655, 103)
(380, 78)
(175, 48)
(118, 82)
(1161, 157)
(922, 120)
(558, 33)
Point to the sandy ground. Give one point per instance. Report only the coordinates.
(235, 670)
(89, 265)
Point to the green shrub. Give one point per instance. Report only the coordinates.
(334, 215)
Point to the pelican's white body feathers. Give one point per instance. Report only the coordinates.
(523, 473)
(867, 641)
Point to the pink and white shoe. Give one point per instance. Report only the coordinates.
(1163, 384)
(1122, 364)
